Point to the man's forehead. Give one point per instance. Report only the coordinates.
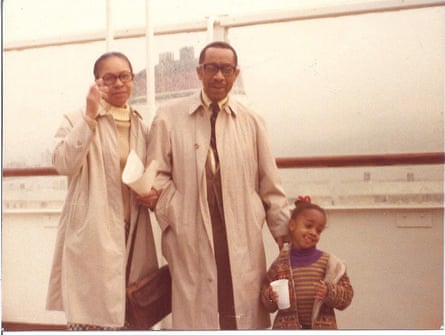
(214, 52)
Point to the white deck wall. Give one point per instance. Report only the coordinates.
(396, 270)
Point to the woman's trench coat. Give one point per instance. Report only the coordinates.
(252, 194)
(87, 281)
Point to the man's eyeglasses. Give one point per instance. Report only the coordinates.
(124, 77)
(212, 69)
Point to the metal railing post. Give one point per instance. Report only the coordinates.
(215, 31)
(109, 27)
(149, 67)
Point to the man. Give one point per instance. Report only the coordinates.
(218, 184)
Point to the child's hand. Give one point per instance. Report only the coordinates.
(321, 290)
(273, 296)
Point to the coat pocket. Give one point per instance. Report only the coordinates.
(77, 217)
(167, 206)
(259, 213)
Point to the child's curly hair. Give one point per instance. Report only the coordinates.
(302, 204)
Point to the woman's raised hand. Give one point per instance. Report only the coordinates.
(96, 92)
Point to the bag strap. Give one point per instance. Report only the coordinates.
(130, 253)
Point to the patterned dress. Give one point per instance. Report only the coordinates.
(83, 327)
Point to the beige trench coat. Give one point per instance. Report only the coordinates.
(179, 139)
(87, 281)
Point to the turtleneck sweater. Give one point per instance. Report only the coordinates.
(121, 118)
(308, 267)
(120, 114)
(304, 257)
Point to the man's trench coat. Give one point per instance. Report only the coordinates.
(252, 195)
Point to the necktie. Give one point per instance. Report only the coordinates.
(213, 152)
(226, 305)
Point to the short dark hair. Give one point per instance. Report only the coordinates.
(217, 44)
(302, 205)
(106, 56)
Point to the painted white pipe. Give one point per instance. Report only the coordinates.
(109, 27)
(233, 21)
(149, 68)
(210, 29)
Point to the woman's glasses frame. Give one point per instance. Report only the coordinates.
(111, 78)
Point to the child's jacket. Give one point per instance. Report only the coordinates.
(339, 296)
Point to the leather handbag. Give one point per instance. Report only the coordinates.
(149, 298)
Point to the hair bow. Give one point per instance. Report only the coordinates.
(304, 198)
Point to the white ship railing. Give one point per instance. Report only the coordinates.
(233, 21)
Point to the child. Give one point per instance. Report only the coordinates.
(318, 282)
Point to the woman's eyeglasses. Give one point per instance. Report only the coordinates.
(124, 77)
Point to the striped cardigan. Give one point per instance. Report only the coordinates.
(339, 296)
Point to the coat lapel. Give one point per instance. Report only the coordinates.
(201, 128)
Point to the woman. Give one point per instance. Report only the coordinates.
(88, 277)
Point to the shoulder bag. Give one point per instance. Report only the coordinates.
(149, 298)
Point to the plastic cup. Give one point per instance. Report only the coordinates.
(281, 287)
